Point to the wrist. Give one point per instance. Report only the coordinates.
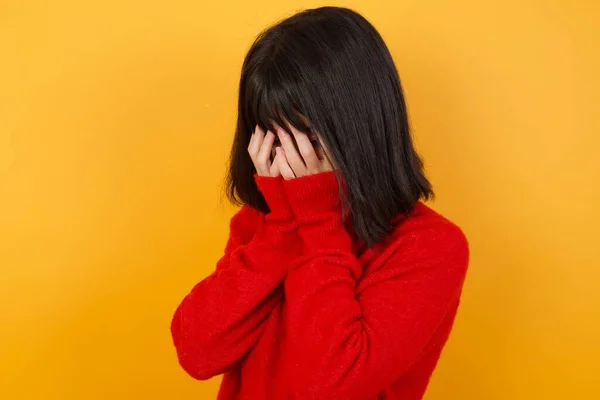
(313, 196)
(275, 197)
(316, 203)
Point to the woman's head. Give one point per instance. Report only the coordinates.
(329, 72)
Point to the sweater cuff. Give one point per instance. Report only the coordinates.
(311, 195)
(274, 194)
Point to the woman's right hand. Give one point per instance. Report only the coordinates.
(261, 149)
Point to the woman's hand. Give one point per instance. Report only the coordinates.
(305, 159)
(260, 149)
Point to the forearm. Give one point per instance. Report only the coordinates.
(221, 319)
(325, 318)
(349, 344)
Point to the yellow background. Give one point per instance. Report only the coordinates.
(115, 122)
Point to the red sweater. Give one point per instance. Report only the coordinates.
(292, 312)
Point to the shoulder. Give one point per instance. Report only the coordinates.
(428, 239)
(244, 223)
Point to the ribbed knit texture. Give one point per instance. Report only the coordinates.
(291, 312)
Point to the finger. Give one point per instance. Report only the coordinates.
(307, 151)
(274, 171)
(320, 153)
(326, 164)
(284, 167)
(294, 159)
(255, 142)
(251, 139)
(324, 157)
(264, 153)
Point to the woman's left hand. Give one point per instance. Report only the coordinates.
(307, 160)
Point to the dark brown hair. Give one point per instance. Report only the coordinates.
(331, 65)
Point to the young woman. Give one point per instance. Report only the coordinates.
(336, 282)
